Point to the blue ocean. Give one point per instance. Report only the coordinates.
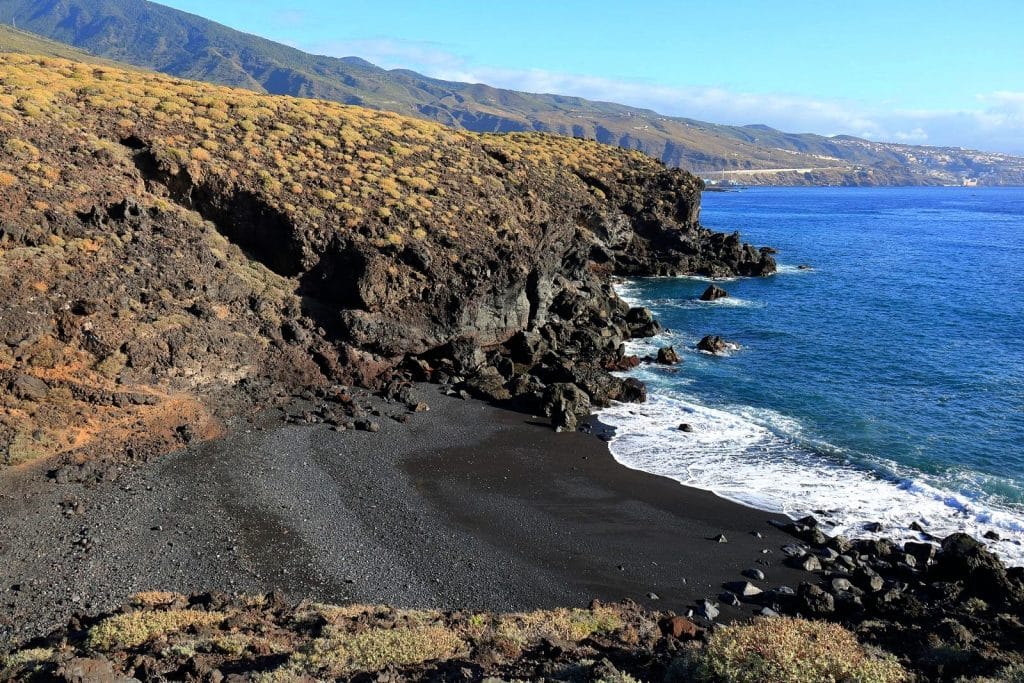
(884, 384)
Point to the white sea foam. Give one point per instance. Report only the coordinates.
(785, 269)
(708, 278)
(694, 304)
(763, 459)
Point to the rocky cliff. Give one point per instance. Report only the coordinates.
(173, 252)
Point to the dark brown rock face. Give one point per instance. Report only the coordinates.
(713, 293)
(667, 355)
(713, 344)
(954, 610)
(237, 248)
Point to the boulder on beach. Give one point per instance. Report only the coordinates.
(667, 355)
(565, 404)
(713, 293)
(713, 344)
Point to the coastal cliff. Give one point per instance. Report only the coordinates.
(175, 252)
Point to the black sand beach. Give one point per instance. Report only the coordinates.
(467, 506)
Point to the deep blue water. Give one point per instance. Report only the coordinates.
(885, 383)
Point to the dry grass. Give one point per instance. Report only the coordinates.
(341, 652)
(787, 650)
(288, 146)
(136, 628)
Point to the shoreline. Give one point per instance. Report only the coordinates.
(931, 512)
(506, 516)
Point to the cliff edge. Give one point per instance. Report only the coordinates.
(173, 252)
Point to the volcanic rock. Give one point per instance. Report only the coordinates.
(713, 293)
(667, 355)
(713, 344)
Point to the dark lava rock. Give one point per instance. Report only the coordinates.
(868, 579)
(808, 563)
(841, 544)
(667, 355)
(713, 344)
(713, 293)
(367, 425)
(964, 558)
(924, 553)
(489, 385)
(566, 404)
(641, 323)
(814, 600)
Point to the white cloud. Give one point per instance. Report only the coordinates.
(994, 122)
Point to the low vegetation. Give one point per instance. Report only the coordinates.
(787, 650)
(264, 640)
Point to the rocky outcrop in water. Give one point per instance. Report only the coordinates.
(714, 292)
(714, 344)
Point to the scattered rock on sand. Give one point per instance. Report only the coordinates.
(368, 425)
(729, 598)
(713, 293)
(708, 610)
(808, 563)
(744, 589)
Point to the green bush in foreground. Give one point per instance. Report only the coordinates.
(785, 650)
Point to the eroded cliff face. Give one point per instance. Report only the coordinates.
(175, 252)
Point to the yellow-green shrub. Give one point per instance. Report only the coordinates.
(786, 650)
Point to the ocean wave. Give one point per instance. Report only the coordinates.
(785, 269)
(763, 459)
(708, 278)
(696, 304)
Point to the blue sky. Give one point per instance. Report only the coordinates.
(937, 72)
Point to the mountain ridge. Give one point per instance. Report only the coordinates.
(153, 36)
